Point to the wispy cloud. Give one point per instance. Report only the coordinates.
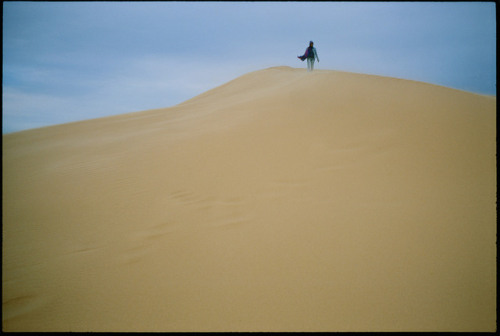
(139, 84)
(22, 110)
(68, 61)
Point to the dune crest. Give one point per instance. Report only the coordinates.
(280, 201)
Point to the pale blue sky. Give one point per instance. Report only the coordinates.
(70, 61)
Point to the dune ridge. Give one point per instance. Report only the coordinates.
(280, 201)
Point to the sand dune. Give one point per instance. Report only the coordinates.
(280, 201)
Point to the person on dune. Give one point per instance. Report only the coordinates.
(310, 55)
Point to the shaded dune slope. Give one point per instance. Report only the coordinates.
(280, 201)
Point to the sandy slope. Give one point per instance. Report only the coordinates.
(280, 201)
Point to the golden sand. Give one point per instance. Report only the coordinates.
(281, 201)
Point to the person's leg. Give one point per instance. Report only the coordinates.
(312, 64)
(309, 64)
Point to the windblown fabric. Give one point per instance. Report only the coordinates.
(306, 54)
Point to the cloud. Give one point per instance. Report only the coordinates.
(142, 83)
(85, 60)
(21, 110)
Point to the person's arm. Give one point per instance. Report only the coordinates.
(316, 53)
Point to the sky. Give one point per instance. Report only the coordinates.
(71, 61)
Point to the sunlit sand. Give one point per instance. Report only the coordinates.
(280, 201)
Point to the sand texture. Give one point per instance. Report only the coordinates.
(280, 201)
